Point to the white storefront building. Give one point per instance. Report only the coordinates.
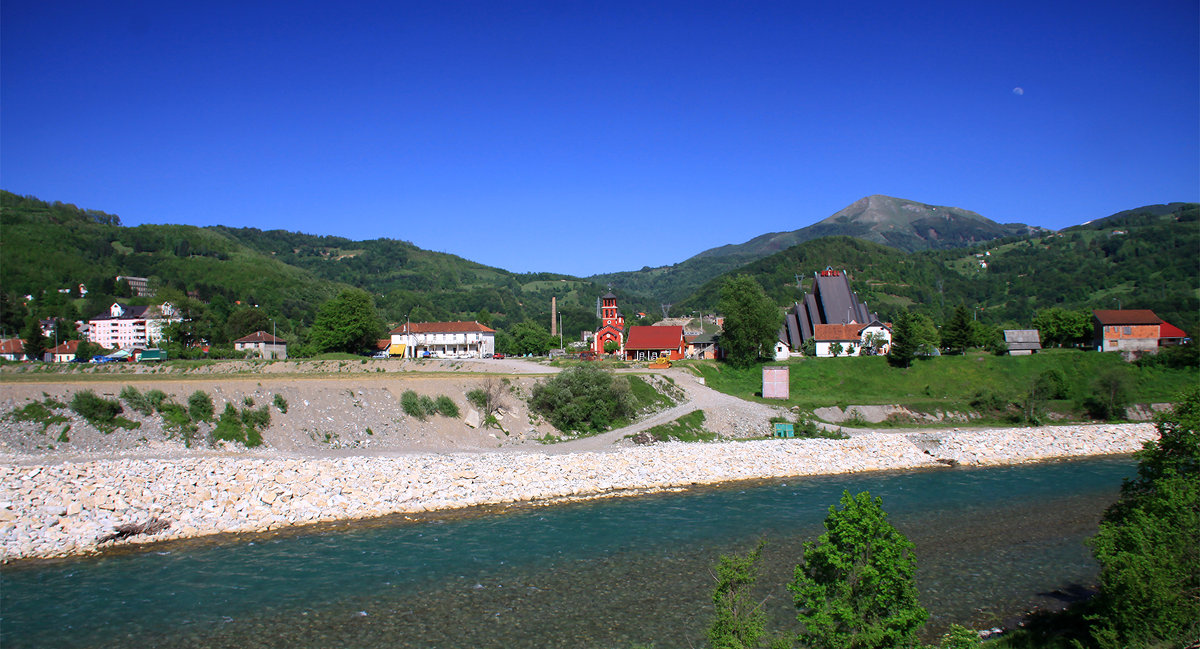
(443, 340)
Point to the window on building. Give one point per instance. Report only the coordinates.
(1127, 330)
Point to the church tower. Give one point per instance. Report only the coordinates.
(612, 325)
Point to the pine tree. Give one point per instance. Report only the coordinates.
(903, 348)
(35, 341)
(956, 334)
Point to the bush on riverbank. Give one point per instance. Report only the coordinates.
(584, 399)
(102, 413)
(424, 406)
(688, 428)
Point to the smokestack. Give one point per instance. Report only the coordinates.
(553, 316)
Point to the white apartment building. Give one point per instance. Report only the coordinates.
(131, 327)
(443, 340)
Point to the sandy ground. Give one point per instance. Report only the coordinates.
(336, 408)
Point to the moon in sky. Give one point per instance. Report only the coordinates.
(1018, 91)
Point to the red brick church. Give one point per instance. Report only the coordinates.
(612, 325)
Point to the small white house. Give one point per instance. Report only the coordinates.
(443, 340)
(852, 339)
(263, 344)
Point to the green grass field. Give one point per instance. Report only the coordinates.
(947, 383)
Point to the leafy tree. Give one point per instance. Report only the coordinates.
(1061, 327)
(956, 334)
(86, 350)
(244, 322)
(809, 347)
(35, 341)
(611, 346)
(739, 621)
(1150, 565)
(836, 349)
(904, 343)
(925, 334)
(347, 323)
(531, 338)
(856, 587)
(484, 317)
(751, 321)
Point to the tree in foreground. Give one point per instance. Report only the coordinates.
(35, 344)
(751, 321)
(856, 587)
(739, 620)
(1147, 544)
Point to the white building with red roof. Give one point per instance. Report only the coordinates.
(855, 339)
(12, 349)
(131, 327)
(458, 339)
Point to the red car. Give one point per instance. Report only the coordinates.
(498, 356)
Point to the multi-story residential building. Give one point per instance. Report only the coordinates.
(131, 327)
(443, 340)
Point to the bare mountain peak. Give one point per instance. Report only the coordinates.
(878, 211)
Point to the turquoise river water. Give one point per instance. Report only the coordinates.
(991, 543)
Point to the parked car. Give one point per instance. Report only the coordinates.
(382, 354)
(498, 356)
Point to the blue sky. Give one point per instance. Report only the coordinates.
(594, 137)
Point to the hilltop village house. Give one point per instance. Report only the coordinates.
(263, 344)
(443, 340)
(650, 342)
(829, 302)
(1132, 331)
(612, 325)
(131, 327)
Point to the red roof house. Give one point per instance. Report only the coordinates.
(1126, 331)
(263, 344)
(648, 343)
(12, 349)
(1169, 334)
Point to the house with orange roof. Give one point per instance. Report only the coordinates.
(65, 353)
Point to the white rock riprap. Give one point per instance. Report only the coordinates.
(62, 509)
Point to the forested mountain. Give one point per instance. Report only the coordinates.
(1139, 259)
(895, 222)
(1143, 258)
(48, 247)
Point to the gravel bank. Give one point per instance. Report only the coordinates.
(63, 508)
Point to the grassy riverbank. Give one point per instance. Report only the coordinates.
(952, 383)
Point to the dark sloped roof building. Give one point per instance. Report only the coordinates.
(830, 301)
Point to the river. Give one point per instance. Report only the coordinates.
(619, 572)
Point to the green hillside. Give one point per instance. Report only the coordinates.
(53, 246)
(1138, 259)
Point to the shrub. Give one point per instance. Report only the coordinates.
(446, 406)
(583, 398)
(200, 406)
(1110, 395)
(41, 412)
(136, 400)
(229, 426)
(258, 419)
(281, 403)
(156, 397)
(989, 401)
(99, 412)
(411, 403)
(176, 418)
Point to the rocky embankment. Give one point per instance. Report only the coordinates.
(66, 508)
